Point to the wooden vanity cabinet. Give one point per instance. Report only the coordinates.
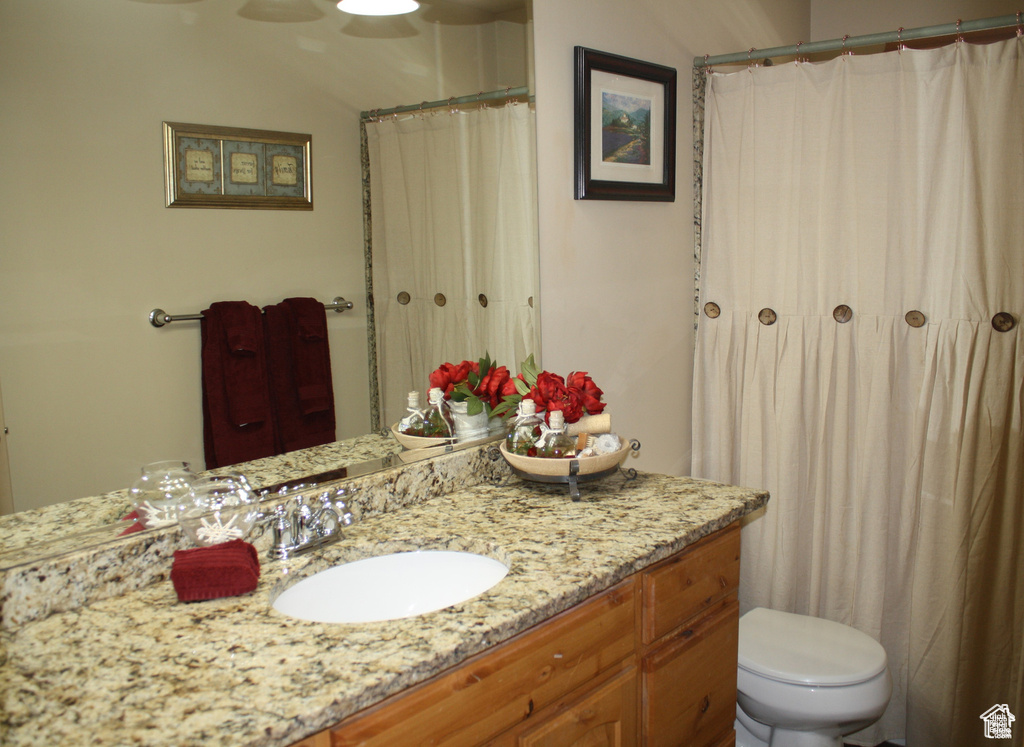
(690, 643)
(650, 661)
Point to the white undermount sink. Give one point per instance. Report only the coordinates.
(389, 587)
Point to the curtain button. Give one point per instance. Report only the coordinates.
(482, 299)
(842, 313)
(404, 298)
(767, 317)
(1003, 321)
(915, 318)
(439, 299)
(712, 310)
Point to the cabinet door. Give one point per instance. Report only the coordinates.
(604, 717)
(690, 582)
(495, 690)
(689, 682)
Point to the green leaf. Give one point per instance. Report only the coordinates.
(475, 406)
(511, 402)
(522, 387)
(530, 370)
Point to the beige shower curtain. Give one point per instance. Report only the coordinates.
(454, 205)
(889, 183)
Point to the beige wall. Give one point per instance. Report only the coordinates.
(617, 277)
(91, 391)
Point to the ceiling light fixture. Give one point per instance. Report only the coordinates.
(378, 7)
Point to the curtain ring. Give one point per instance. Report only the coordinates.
(900, 46)
(843, 50)
(481, 104)
(1020, 32)
(750, 63)
(797, 60)
(959, 36)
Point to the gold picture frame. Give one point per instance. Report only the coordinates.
(207, 166)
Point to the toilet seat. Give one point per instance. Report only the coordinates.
(802, 650)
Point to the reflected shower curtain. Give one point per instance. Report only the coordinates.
(454, 201)
(888, 183)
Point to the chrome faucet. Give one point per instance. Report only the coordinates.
(305, 528)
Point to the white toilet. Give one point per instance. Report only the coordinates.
(806, 682)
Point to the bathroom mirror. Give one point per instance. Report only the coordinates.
(91, 390)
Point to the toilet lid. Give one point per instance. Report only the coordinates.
(806, 650)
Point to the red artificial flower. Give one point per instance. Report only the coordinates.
(491, 386)
(448, 375)
(588, 392)
(550, 388)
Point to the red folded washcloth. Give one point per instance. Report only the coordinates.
(224, 570)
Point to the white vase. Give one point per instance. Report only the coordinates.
(496, 426)
(468, 427)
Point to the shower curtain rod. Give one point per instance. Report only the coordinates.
(505, 93)
(867, 40)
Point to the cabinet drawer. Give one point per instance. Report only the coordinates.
(497, 689)
(689, 682)
(605, 716)
(687, 583)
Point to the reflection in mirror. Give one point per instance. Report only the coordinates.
(92, 392)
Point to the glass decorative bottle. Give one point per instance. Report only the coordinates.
(437, 419)
(554, 443)
(414, 422)
(525, 430)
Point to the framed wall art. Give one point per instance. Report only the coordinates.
(625, 128)
(224, 167)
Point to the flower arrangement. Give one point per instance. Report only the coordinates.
(485, 386)
(481, 384)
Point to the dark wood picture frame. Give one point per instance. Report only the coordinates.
(633, 157)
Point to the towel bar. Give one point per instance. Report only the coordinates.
(159, 317)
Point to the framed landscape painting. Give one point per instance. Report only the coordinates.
(625, 128)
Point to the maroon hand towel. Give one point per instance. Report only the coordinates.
(225, 570)
(298, 426)
(237, 417)
(311, 353)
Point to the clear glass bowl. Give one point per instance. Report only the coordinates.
(220, 508)
(161, 492)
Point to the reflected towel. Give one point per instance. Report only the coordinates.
(299, 367)
(237, 416)
(311, 353)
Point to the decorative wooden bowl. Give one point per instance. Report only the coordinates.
(417, 442)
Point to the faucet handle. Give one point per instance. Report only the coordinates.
(282, 533)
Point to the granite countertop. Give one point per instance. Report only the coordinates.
(141, 668)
